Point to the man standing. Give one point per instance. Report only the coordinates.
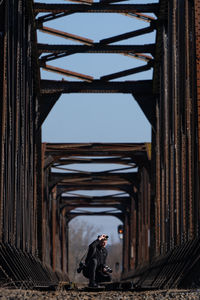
(95, 262)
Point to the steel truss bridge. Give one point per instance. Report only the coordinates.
(153, 188)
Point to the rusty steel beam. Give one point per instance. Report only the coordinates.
(139, 56)
(96, 48)
(111, 1)
(57, 163)
(82, 204)
(132, 71)
(73, 160)
(63, 188)
(128, 35)
(66, 35)
(140, 16)
(148, 105)
(96, 199)
(96, 8)
(71, 186)
(79, 178)
(82, 1)
(92, 205)
(46, 102)
(67, 73)
(96, 149)
(60, 51)
(97, 86)
(94, 184)
(118, 215)
(107, 171)
(51, 16)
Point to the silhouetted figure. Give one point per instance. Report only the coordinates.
(95, 264)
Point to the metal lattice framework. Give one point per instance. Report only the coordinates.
(87, 83)
(69, 181)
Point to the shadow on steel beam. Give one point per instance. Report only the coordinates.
(20, 269)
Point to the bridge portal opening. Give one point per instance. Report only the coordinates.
(83, 230)
(96, 113)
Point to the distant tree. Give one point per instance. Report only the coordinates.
(81, 234)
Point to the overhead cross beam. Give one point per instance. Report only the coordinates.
(104, 186)
(107, 180)
(94, 177)
(82, 1)
(72, 187)
(112, 179)
(143, 87)
(98, 199)
(95, 202)
(96, 149)
(73, 160)
(96, 8)
(118, 215)
(111, 1)
(95, 48)
(96, 85)
(53, 16)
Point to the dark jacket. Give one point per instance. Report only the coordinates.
(98, 252)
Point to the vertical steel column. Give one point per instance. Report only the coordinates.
(63, 241)
(132, 234)
(177, 207)
(3, 46)
(197, 36)
(158, 184)
(166, 105)
(195, 31)
(18, 127)
(126, 243)
(42, 236)
(67, 243)
(53, 229)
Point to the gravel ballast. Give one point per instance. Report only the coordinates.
(12, 294)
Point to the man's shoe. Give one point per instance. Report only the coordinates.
(93, 285)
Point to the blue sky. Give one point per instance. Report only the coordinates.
(97, 117)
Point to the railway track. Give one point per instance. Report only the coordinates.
(80, 294)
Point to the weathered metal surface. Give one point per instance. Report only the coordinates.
(97, 86)
(123, 181)
(95, 48)
(174, 159)
(146, 67)
(96, 8)
(128, 35)
(176, 117)
(155, 192)
(20, 161)
(66, 35)
(67, 73)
